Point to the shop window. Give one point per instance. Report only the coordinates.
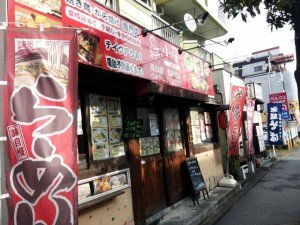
(172, 130)
(106, 127)
(101, 151)
(149, 141)
(257, 68)
(237, 72)
(201, 126)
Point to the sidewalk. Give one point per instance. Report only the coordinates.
(210, 210)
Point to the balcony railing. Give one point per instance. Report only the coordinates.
(169, 33)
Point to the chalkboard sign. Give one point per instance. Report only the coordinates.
(132, 129)
(197, 181)
(195, 174)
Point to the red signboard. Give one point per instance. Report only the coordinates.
(281, 98)
(39, 116)
(237, 101)
(114, 43)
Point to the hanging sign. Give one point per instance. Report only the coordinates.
(250, 117)
(237, 101)
(40, 107)
(281, 98)
(275, 124)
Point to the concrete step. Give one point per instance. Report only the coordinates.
(189, 214)
(267, 166)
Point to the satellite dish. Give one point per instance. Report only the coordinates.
(190, 22)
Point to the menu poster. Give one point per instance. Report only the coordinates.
(155, 144)
(149, 146)
(154, 124)
(195, 125)
(143, 146)
(87, 47)
(114, 111)
(98, 114)
(115, 134)
(172, 130)
(99, 135)
(194, 117)
(208, 132)
(116, 149)
(100, 151)
(196, 134)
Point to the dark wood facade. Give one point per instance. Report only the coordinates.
(158, 180)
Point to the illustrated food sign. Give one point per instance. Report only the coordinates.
(275, 123)
(39, 115)
(237, 101)
(116, 44)
(281, 98)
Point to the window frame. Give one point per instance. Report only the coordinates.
(146, 5)
(104, 165)
(113, 2)
(257, 69)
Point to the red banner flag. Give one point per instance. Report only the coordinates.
(249, 132)
(237, 101)
(40, 120)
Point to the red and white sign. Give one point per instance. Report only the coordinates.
(39, 116)
(250, 117)
(237, 101)
(114, 43)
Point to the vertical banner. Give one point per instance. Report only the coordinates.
(40, 106)
(237, 101)
(250, 117)
(275, 124)
(281, 98)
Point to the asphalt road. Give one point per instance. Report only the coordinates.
(274, 200)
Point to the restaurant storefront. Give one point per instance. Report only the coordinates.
(122, 78)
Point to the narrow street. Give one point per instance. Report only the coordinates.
(275, 199)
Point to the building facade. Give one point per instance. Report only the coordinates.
(134, 74)
(265, 73)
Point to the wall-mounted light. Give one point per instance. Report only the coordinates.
(226, 42)
(180, 50)
(199, 19)
(210, 66)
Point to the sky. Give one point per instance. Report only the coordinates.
(256, 35)
(253, 36)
